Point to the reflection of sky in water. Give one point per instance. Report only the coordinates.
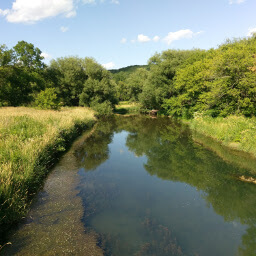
(125, 195)
(147, 189)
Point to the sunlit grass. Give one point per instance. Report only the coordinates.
(126, 107)
(234, 131)
(30, 141)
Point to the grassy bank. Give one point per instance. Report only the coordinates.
(127, 108)
(30, 142)
(236, 132)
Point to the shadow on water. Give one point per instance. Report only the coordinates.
(140, 186)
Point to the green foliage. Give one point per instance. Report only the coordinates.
(219, 82)
(17, 85)
(6, 56)
(222, 83)
(27, 55)
(99, 88)
(163, 68)
(68, 75)
(134, 84)
(125, 78)
(103, 109)
(21, 74)
(47, 99)
(127, 70)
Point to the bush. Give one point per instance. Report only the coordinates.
(103, 109)
(48, 99)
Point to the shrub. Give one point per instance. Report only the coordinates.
(103, 109)
(48, 99)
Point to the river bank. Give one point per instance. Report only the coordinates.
(235, 132)
(31, 141)
(114, 190)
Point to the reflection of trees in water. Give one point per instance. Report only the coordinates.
(172, 155)
(94, 150)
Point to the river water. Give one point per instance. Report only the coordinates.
(137, 186)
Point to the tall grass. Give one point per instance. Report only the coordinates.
(30, 141)
(128, 108)
(237, 132)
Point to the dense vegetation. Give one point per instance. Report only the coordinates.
(179, 83)
(26, 81)
(217, 82)
(30, 142)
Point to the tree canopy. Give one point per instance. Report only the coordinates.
(217, 82)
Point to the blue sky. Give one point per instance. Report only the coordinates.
(118, 33)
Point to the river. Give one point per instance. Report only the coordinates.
(139, 186)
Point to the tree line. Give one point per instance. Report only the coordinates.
(180, 83)
(71, 81)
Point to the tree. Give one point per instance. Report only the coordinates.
(99, 87)
(6, 56)
(21, 74)
(135, 82)
(163, 68)
(68, 76)
(28, 56)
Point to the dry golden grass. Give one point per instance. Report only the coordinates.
(30, 140)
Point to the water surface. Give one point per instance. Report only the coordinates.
(144, 187)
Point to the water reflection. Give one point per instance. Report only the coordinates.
(138, 186)
(168, 152)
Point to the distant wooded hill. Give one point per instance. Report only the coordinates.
(129, 69)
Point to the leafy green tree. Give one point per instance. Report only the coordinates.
(68, 76)
(48, 99)
(27, 55)
(234, 87)
(6, 56)
(99, 87)
(17, 86)
(21, 74)
(163, 68)
(135, 82)
(222, 83)
(190, 82)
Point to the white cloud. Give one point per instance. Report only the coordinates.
(156, 38)
(236, 1)
(115, 2)
(251, 31)
(109, 65)
(46, 55)
(3, 12)
(184, 33)
(143, 39)
(124, 40)
(64, 29)
(30, 11)
(133, 41)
